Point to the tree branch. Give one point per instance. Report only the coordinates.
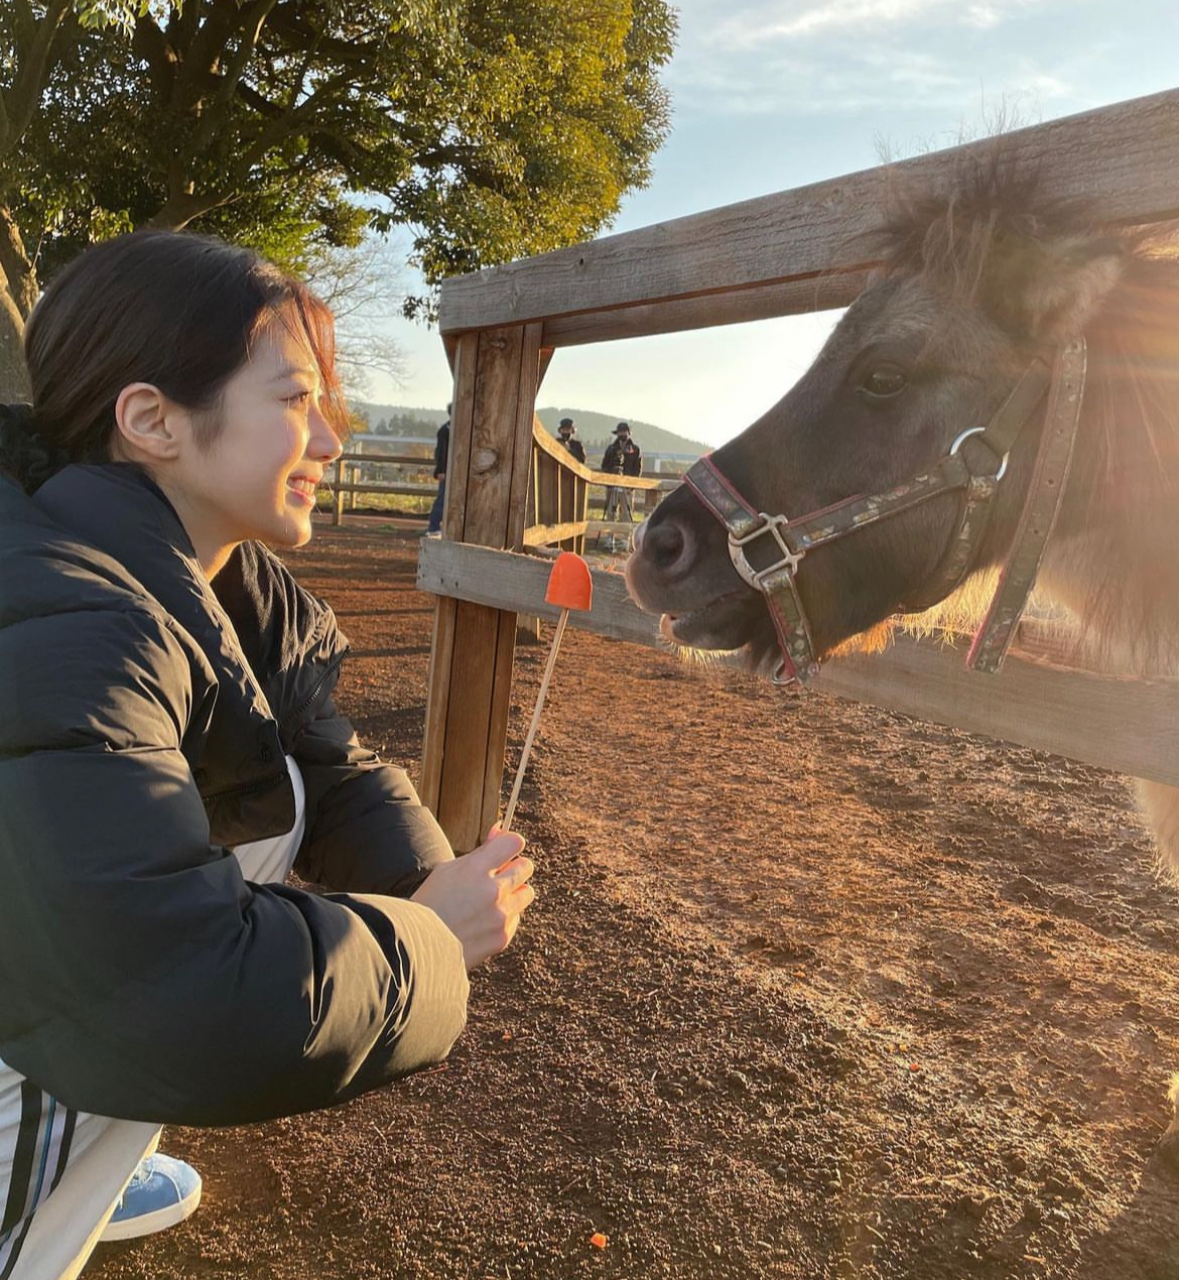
(150, 43)
(182, 207)
(212, 117)
(19, 272)
(25, 94)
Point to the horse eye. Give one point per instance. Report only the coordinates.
(884, 381)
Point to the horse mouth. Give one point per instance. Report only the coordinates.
(722, 623)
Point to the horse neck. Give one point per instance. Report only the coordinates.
(1119, 623)
(1113, 561)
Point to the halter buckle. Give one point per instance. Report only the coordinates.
(773, 525)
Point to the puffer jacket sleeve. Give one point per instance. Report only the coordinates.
(367, 832)
(366, 829)
(142, 977)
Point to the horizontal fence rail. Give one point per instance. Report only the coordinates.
(1127, 725)
(344, 478)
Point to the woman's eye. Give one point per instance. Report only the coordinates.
(884, 380)
(299, 398)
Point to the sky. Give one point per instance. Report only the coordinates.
(773, 94)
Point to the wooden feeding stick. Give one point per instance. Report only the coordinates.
(570, 587)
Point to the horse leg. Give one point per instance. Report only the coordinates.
(1160, 807)
(1068, 578)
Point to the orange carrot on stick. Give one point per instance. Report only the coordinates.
(570, 587)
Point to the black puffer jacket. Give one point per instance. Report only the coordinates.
(140, 975)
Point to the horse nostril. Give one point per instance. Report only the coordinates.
(664, 544)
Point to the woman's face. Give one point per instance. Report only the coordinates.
(258, 477)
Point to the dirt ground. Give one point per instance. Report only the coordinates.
(810, 990)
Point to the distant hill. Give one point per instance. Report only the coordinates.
(594, 430)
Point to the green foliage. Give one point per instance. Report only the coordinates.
(94, 15)
(495, 128)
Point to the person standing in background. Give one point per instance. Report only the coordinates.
(565, 433)
(441, 457)
(623, 457)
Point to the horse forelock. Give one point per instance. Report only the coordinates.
(952, 237)
(990, 242)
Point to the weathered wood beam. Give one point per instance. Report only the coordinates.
(539, 534)
(474, 643)
(1121, 160)
(678, 315)
(1127, 725)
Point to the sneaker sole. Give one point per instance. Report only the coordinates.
(147, 1224)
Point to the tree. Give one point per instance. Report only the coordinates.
(494, 128)
(361, 284)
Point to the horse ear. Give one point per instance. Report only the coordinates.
(1048, 289)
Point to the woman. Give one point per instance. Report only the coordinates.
(169, 742)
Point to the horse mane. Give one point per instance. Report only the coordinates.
(1125, 482)
(1123, 499)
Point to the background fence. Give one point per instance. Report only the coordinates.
(560, 496)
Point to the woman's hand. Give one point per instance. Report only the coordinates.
(481, 896)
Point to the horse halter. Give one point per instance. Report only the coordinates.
(790, 540)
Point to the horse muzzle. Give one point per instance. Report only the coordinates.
(679, 569)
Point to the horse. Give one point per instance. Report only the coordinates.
(988, 299)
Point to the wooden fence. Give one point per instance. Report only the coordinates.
(346, 479)
(558, 510)
(778, 255)
(557, 513)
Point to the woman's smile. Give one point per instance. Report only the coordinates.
(304, 488)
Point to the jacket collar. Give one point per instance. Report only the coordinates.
(236, 753)
(120, 510)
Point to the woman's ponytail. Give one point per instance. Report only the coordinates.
(25, 454)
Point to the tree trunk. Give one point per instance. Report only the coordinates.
(18, 292)
(14, 377)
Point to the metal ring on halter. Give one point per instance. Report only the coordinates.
(798, 678)
(975, 431)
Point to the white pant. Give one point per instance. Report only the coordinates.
(61, 1225)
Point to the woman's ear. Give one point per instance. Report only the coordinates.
(148, 422)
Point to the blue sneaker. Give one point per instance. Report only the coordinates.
(161, 1193)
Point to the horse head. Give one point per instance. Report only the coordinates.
(973, 289)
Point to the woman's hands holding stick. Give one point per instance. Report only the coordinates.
(481, 895)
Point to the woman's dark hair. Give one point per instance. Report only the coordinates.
(179, 311)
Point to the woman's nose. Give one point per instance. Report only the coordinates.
(324, 443)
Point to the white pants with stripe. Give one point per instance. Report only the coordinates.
(61, 1171)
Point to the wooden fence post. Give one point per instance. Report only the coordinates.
(470, 682)
(338, 495)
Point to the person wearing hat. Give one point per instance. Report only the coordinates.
(565, 433)
(623, 457)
